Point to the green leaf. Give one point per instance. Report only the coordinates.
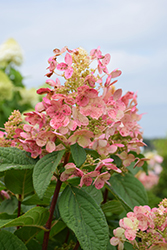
(145, 167)
(9, 205)
(34, 199)
(113, 206)
(57, 227)
(129, 246)
(19, 181)
(128, 190)
(78, 154)
(2, 186)
(15, 158)
(116, 159)
(16, 77)
(26, 233)
(9, 241)
(95, 193)
(84, 217)
(133, 170)
(43, 171)
(34, 244)
(35, 217)
(110, 247)
(92, 152)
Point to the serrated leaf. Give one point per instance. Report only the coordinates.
(9, 241)
(78, 154)
(43, 171)
(128, 190)
(19, 181)
(15, 158)
(95, 193)
(35, 217)
(84, 217)
(113, 206)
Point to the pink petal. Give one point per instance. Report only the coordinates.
(91, 93)
(50, 82)
(70, 164)
(114, 241)
(42, 91)
(106, 59)
(108, 160)
(87, 180)
(99, 183)
(113, 149)
(39, 107)
(62, 66)
(68, 59)
(72, 125)
(130, 234)
(68, 73)
(115, 73)
(107, 83)
(117, 94)
(64, 176)
(50, 146)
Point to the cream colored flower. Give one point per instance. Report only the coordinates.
(6, 87)
(10, 51)
(81, 57)
(28, 96)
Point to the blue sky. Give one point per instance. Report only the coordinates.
(132, 31)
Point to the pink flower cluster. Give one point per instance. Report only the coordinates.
(83, 110)
(86, 177)
(144, 228)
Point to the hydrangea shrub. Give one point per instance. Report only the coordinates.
(69, 165)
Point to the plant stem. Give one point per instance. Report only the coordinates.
(105, 195)
(19, 207)
(52, 207)
(76, 246)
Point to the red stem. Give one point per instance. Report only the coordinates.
(105, 196)
(76, 246)
(52, 207)
(49, 222)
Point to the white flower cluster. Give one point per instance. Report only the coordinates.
(10, 51)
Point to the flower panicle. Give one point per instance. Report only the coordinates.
(86, 109)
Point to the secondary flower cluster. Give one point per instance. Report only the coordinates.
(10, 52)
(144, 228)
(86, 109)
(154, 170)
